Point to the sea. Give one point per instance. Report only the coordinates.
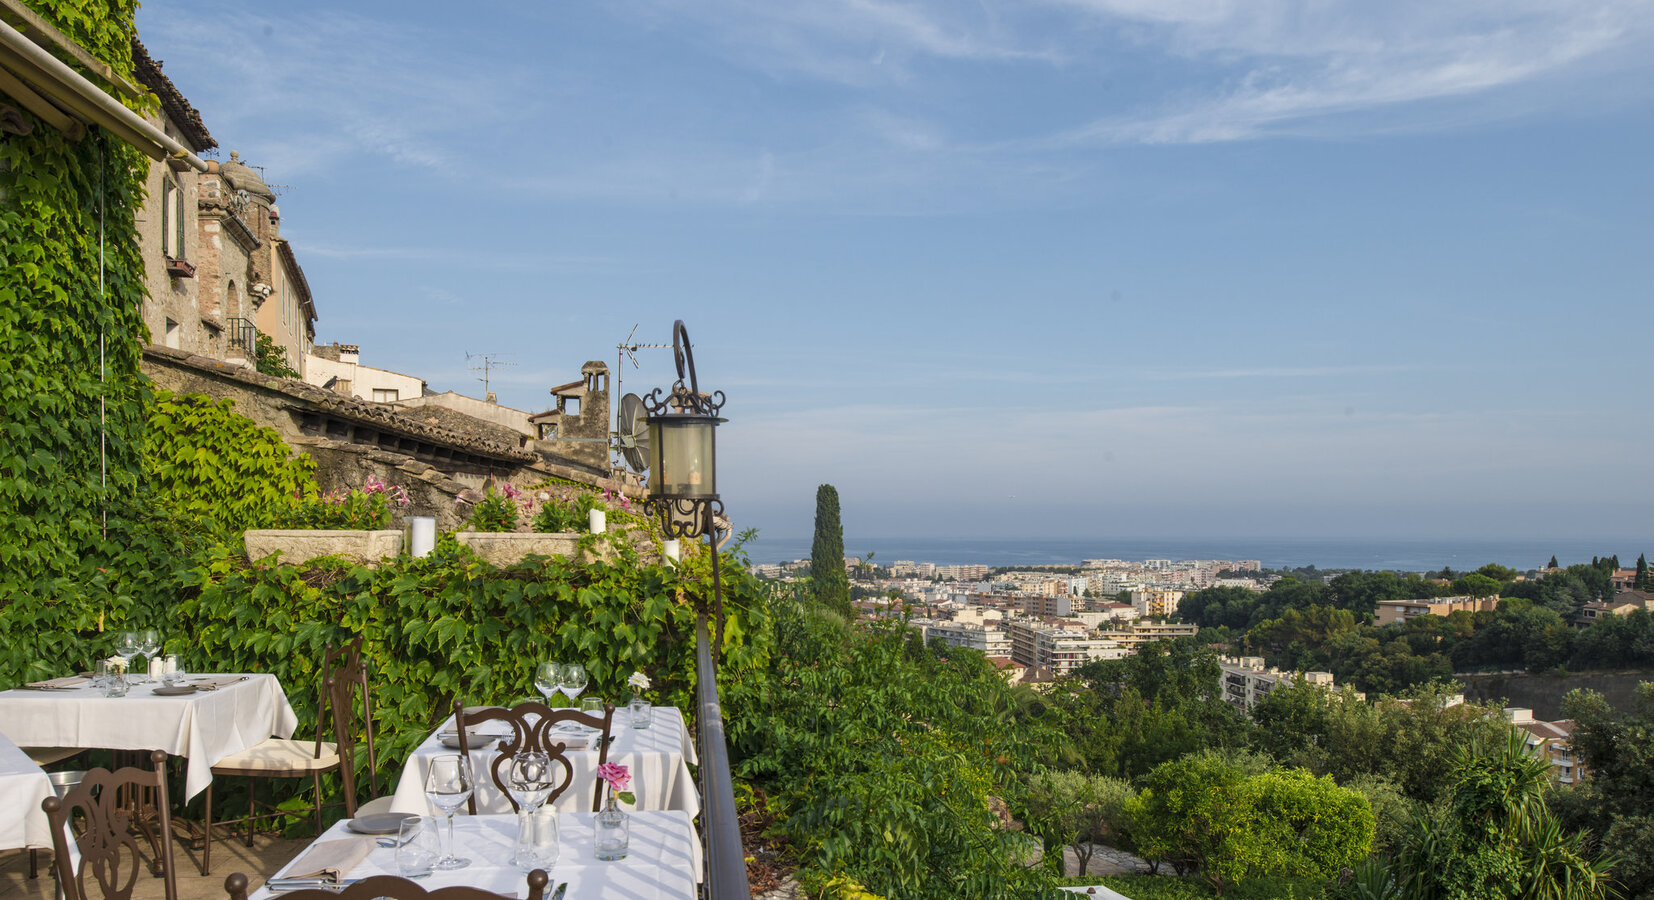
(1401, 555)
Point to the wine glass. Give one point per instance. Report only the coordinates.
(126, 649)
(574, 680)
(448, 785)
(528, 780)
(149, 643)
(548, 676)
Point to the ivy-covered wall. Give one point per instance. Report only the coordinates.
(71, 397)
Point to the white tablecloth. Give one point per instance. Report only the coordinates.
(658, 758)
(22, 786)
(205, 726)
(663, 863)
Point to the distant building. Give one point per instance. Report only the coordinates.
(1156, 602)
(338, 368)
(1391, 612)
(1245, 681)
(1039, 645)
(989, 640)
(1135, 635)
(1048, 605)
(1549, 741)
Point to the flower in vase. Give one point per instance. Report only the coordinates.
(638, 682)
(619, 778)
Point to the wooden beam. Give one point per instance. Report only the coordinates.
(46, 35)
(40, 106)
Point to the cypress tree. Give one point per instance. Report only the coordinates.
(1553, 564)
(1641, 583)
(827, 576)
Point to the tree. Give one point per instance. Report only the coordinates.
(1075, 809)
(1553, 564)
(270, 359)
(1641, 582)
(1494, 837)
(827, 576)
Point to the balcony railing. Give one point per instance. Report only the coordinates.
(241, 334)
(726, 860)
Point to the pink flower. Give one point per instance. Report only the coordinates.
(510, 491)
(400, 495)
(373, 485)
(618, 776)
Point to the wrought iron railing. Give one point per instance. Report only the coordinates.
(726, 859)
(242, 334)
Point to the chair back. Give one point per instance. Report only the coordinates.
(531, 729)
(344, 674)
(392, 887)
(105, 856)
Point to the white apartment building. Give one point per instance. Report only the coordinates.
(1245, 680)
(990, 640)
(338, 368)
(1156, 602)
(1061, 649)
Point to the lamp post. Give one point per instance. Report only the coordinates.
(683, 460)
(683, 489)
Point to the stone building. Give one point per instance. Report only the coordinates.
(218, 271)
(168, 225)
(578, 427)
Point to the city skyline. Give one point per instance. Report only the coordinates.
(1079, 268)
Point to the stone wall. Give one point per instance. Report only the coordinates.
(1543, 693)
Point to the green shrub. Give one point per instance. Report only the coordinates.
(496, 511)
(209, 464)
(370, 508)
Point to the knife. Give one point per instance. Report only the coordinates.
(561, 889)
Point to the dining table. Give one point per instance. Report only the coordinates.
(226, 714)
(663, 860)
(658, 758)
(22, 786)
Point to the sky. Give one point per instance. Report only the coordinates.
(1213, 268)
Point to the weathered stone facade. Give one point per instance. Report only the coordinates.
(578, 427)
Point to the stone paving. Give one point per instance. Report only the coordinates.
(1105, 860)
(228, 856)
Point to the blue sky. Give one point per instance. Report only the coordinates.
(1071, 267)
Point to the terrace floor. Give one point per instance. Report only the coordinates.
(228, 857)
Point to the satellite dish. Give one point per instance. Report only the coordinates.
(632, 432)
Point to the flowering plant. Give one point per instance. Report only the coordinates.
(498, 510)
(639, 682)
(363, 509)
(619, 778)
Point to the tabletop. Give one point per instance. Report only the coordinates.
(663, 861)
(658, 757)
(204, 726)
(22, 786)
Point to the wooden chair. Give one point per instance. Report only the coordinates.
(392, 887)
(106, 849)
(531, 725)
(342, 673)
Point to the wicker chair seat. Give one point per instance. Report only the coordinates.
(278, 755)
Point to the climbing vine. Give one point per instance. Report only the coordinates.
(71, 396)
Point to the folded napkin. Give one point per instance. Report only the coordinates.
(66, 683)
(213, 684)
(329, 862)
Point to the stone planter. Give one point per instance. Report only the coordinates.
(509, 548)
(300, 545)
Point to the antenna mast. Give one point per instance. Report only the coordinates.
(624, 352)
(490, 361)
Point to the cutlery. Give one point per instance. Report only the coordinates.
(561, 889)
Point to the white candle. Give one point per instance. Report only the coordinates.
(421, 535)
(599, 521)
(670, 548)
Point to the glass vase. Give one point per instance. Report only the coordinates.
(614, 831)
(640, 711)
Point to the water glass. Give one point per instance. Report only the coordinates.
(175, 673)
(108, 677)
(416, 846)
(641, 711)
(537, 839)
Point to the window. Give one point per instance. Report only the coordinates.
(384, 395)
(178, 222)
(168, 248)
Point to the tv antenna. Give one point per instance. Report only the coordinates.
(490, 362)
(624, 352)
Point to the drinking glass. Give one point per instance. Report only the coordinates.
(175, 672)
(642, 711)
(126, 649)
(110, 681)
(528, 779)
(416, 846)
(149, 643)
(548, 677)
(448, 785)
(574, 680)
